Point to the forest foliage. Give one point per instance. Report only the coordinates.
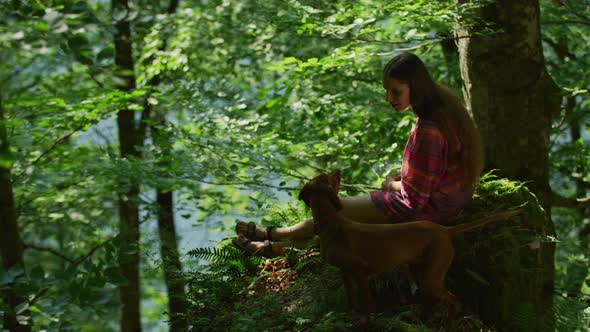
(254, 98)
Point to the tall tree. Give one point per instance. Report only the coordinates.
(513, 100)
(11, 246)
(171, 264)
(130, 138)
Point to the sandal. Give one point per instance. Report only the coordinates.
(242, 242)
(251, 231)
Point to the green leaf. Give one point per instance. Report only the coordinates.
(35, 309)
(477, 277)
(107, 53)
(7, 277)
(37, 273)
(78, 41)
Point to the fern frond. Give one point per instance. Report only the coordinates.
(217, 255)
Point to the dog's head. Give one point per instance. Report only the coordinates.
(327, 183)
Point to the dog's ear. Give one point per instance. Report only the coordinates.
(304, 195)
(335, 178)
(334, 181)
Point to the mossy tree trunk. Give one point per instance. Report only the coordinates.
(508, 90)
(513, 99)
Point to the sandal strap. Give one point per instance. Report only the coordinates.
(251, 230)
(267, 233)
(242, 243)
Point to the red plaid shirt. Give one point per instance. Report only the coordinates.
(431, 186)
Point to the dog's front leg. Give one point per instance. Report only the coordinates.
(364, 295)
(346, 260)
(351, 286)
(351, 266)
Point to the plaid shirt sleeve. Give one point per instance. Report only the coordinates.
(424, 164)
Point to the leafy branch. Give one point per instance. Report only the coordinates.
(52, 251)
(75, 263)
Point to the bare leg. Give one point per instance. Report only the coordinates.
(358, 208)
(278, 248)
(300, 231)
(291, 234)
(361, 209)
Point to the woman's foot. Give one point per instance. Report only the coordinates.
(250, 231)
(266, 248)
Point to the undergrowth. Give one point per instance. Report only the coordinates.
(240, 292)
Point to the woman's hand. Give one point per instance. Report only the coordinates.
(392, 184)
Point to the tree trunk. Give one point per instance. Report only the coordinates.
(513, 100)
(171, 262)
(129, 140)
(173, 275)
(11, 247)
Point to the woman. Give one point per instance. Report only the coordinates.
(441, 163)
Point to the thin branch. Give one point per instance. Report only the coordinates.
(574, 12)
(575, 203)
(84, 257)
(561, 50)
(435, 39)
(93, 77)
(239, 162)
(246, 183)
(32, 197)
(74, 262)
(357, 187)
(49, 250)
(564, 22)
(51, 148)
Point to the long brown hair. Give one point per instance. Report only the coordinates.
(438, 103)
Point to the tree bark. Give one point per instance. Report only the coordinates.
(129, 140)
(173, 275)
(171, 262)
(513, 100)
(11, 246)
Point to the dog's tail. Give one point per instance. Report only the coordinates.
(458, 229)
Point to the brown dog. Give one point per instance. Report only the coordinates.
(360, 250)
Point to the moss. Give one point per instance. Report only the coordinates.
(505, 271)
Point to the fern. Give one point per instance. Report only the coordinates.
(227, 259)
(217, 255)
(571, 313)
